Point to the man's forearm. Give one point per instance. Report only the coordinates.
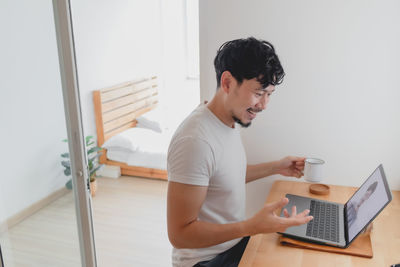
(254, 172)
(199, 234)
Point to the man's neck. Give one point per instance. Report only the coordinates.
(217, 107)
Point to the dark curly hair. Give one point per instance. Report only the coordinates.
(247, 59)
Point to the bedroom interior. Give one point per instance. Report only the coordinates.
(41, 206)
(117, 109)
(37, 214)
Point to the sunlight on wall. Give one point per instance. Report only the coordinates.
(180, 92)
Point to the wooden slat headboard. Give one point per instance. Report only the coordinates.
(116, 108)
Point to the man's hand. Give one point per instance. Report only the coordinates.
(290, 166)
(266, 221)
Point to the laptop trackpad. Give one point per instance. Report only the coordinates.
(301, 204)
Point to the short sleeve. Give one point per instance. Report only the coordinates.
(190, 161)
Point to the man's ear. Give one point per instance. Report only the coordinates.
(227, 81)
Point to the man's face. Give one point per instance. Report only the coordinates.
(247, 99)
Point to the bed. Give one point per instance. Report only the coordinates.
(138, 151)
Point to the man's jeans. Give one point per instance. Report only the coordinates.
(229, 258)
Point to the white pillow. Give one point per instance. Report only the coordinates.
(135, 139)
(153, 120)
(144, 122)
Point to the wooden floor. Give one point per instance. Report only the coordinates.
(129, 222)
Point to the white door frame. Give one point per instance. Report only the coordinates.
(66, 55)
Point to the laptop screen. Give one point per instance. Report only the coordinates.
(367, 202)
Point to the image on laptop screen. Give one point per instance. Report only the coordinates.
(366, 203)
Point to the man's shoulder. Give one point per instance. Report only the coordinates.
(190, 155)
(196, 125)
(194, 134)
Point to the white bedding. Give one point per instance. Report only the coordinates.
(150, 152)
(145, 145)
(140, 158)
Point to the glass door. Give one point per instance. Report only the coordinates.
(42, 222)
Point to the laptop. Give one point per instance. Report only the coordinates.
(336, 224)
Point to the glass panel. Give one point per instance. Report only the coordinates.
(117, 42)
(37, 211)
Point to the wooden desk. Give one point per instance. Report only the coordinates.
(265, 250)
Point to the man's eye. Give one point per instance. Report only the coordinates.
(258, 94)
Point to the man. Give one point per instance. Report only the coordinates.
(207, 167)
(353, 207)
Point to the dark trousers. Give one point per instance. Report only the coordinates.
(229, 258)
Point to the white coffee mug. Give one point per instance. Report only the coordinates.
(313, 170)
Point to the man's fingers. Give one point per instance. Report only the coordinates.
(298, 160)
(303, 220)
(300, 165)
(294, 221)
(298, 174)
(304, 213)
(286, 213)
(278, 204)
(298, 219)
(294, 211)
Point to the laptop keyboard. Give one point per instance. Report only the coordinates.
(325, 224)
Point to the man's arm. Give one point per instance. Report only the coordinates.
(186, 231)
(288, 166)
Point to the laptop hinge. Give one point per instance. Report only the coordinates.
(345, 224)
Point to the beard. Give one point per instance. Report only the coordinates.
(244, 125)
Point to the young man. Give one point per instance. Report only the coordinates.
(207, 167)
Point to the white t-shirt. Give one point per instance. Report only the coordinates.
(206, 152)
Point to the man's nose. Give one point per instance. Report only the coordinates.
(262, 104)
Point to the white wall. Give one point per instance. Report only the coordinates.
(115, 42)
(31, 106)
(339, 99)
(119, 41)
